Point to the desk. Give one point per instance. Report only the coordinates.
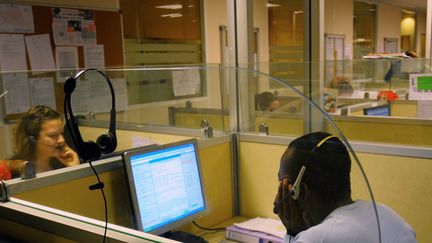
(219, 236)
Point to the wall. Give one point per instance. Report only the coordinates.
(421, 29)
(403, 183)
(388, 24)
(215, 15)
(338, 20)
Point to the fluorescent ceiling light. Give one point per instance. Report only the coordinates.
(272, 5)
(173, 15)
(170, 6)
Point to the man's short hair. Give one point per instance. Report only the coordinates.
(328, 166)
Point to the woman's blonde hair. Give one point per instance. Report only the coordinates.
(28, 128)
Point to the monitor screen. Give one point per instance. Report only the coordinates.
(381, 110)
(165, 186)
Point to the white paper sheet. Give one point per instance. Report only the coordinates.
(66, 59)
(100, 94)
(94, 56)
(17, 99)
(138, 141)
(424, 108)
(40, 52)
(16, 18)
(120, 89)
(269, 226)
(12, 52)
(42, 92)
(81, 96)
(186, 82)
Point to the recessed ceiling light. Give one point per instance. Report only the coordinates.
(173, 15)
(170, 6)
(272, 5)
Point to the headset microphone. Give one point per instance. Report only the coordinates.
(58, 147)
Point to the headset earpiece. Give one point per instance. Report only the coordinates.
(91, 150)
(106, 142)
(295, 190)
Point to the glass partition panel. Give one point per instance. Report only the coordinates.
(391, 94)
(289, 111)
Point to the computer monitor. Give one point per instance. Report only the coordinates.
(380, 110)
(165, 186)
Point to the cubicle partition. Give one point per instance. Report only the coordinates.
(68, 189)
(399, 177)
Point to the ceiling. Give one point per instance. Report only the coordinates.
(417, 5)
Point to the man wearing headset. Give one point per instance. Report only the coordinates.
(314, 197)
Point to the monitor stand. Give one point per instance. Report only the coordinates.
(183, 237)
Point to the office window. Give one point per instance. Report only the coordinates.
(160, 33)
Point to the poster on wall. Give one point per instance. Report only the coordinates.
(16, 18)
(73, 27)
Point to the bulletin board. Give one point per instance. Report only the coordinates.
(108, 33)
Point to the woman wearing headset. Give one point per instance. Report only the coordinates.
(39, 139)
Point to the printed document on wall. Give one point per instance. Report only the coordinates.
(12, 52)
(16, 18)
(40, 52)
(94, 56)
(42, 92)
(17, 99)
(73, 27)
(66, 61)
(186, 82)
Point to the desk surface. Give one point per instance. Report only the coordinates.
(219, 236)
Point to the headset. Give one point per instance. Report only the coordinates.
(105, 143)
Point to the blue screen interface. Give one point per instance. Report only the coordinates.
(168, 186)
(378, 111)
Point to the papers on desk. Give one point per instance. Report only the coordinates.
(257, 230)
(265, 225)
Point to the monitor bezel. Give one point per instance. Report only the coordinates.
(132, 190)
(366, 110)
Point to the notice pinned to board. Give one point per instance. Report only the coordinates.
(12, 52)
(186, 82)
(17, 98)
(94, 56)
(42, 92)
(66, 61)
(73, 27)
(16, 18)
(40, 52)
(420, 87)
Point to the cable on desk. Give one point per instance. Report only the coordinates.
(204, 228)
